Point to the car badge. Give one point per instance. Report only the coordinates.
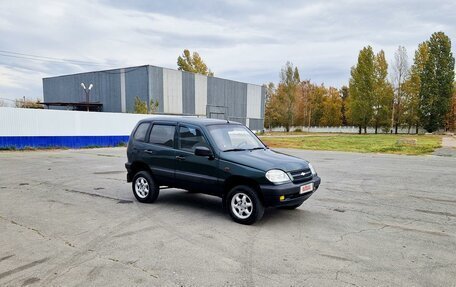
(303, 173)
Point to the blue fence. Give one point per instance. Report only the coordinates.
(21, 142)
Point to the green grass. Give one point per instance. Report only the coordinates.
(380, 143)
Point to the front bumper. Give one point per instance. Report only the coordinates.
(272, 193)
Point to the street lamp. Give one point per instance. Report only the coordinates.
(87, 93)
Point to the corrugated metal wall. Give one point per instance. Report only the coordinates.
(177, 93)
(106, 89)
(188, 93)
(136, 85)
(200, 94)
(156, 86)
(172, 91)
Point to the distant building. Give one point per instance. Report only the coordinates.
(177, 92)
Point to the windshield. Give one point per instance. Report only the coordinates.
(231, 137)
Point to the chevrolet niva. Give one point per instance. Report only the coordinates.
(216, 157)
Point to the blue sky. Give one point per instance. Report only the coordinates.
(242, 40)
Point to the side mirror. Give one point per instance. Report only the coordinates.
(203, 151)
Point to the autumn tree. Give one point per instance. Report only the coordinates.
(332, 108)
(400, 73)
(437, 80)
(28, 104)
(140, 106)
(412, 88)
(344, 108)
(361, 88)
(192, 62)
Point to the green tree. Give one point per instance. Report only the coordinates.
(288, 89)
(437, 80)
(193, 63)
(382, 95)
(412, 87)
(451, 116)
(361, 88)
(140, 106)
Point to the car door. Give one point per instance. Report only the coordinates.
(197, 173)
(160, 153)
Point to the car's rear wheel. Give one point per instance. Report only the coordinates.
(144, 187)
(244, 205)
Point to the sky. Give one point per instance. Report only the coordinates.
(243, 40)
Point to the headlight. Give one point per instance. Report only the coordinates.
(277, 176)
(312, 169)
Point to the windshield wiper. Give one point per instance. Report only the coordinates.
(259, 147)
(235, 149)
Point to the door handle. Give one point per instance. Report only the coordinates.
(179, 157)
(149, 151)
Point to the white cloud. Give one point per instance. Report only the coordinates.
(241, 40)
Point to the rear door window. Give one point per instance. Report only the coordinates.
(141, 131)
(162, 135)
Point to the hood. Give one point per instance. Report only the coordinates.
(265, 160)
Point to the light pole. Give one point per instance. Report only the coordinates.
(87, 93)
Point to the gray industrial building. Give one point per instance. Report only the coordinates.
(177, 92)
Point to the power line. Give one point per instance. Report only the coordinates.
(46, 59)
(11, 54)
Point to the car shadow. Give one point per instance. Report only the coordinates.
(197, 201)
(187, 200)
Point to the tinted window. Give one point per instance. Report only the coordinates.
(141, 131)
(190, 138)
(162, 134)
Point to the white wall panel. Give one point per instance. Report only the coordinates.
(172, 91)
(200, 94)
(253, 101)
(29, 122)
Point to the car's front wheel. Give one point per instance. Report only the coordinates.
(244, 205)
(144, 187)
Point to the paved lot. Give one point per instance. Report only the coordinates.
(68, 218)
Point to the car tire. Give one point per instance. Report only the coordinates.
(144, 187)
(291, 207)
(244, 205)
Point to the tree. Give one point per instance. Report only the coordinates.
(451, 116)
(361, 88)
(193, 63)
(401, 69)
(437, 80)
(289, 88)
(412, 87)
(332, 108)
(140, 106)
(28, 104)
(270, 111)
(344, 108)
(153, 106)
(382, 95)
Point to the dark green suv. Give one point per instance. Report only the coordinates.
(216, 157)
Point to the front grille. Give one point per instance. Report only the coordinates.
(298, 176)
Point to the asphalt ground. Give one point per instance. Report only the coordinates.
(68, 218)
